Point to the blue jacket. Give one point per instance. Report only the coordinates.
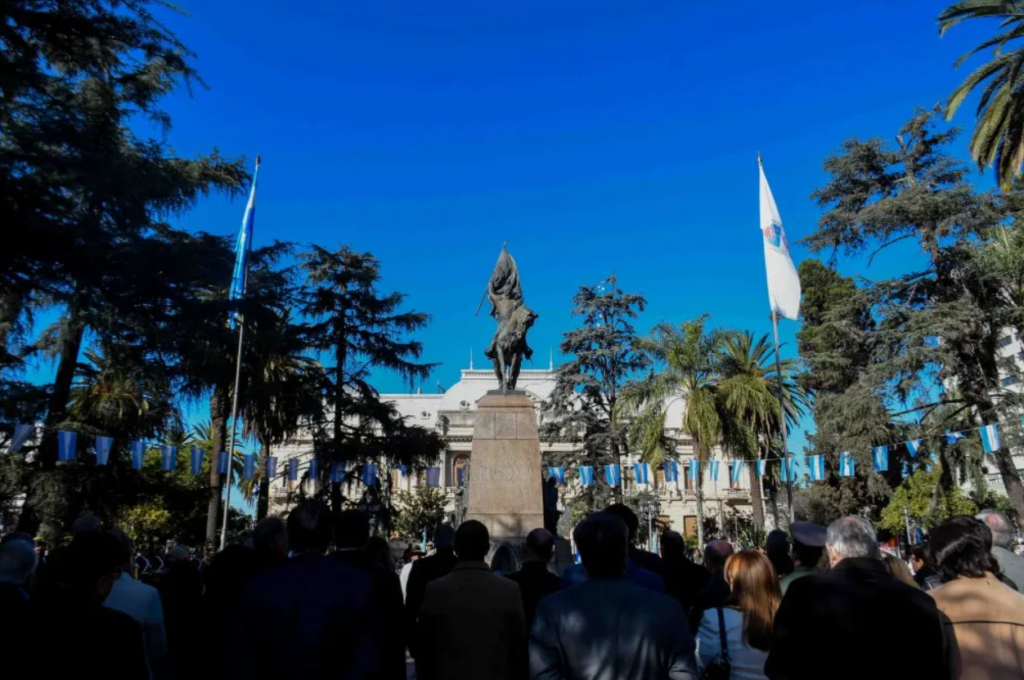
(577, 574)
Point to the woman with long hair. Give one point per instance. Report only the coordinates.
(748, 617)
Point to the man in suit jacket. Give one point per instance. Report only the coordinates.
(854, 607)
(352, 533)
(424, 571)
(608, 627)
(534, 579)
(472, 624)
(308, 617)
(641, 558)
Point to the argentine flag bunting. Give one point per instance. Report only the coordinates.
(369, 475)
(222, 463)
(713, 470)
(990, 437)
(847, 465)
(641, 473)
(433, 477)
(880, 457)
(671, 472)
(168, 457)
(612, 475)
(737, 470)
(760, 468)
(66, 445)
(817, 465)
(293, 470)
(914, 446)
(271, 467)
(586, 475)
(788, 471)
(103, 446)
(22, 433)
(932, 461)
(244, 245)
(954, 437)
(694, 465)
(249, 466)
(783, 281)
(557, 473)
(338, 473)
(313, 473)
(196, 462)
(138, 453)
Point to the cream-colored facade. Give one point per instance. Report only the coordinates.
(452, 413)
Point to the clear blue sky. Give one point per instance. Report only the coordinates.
(593, 135)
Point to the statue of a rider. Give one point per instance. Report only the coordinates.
(508, 348)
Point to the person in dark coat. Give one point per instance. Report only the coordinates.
(471, 625)
(181, 592)
(424, 571)
(828, 622)
(683, 579)
(716, 591)
(351, 536)
(609, 627)
(308, 617)
(534, 579)
(641, 558)
(269, 543)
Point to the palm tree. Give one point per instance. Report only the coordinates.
(998, 137)
(688, 359)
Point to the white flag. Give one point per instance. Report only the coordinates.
(783, 281)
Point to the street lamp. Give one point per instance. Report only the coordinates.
(651, 508)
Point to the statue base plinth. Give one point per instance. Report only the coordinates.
(506, 492)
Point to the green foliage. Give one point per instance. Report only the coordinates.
(145, 521)
(926, 504)
(420, 509)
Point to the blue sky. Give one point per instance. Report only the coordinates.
(594, 136)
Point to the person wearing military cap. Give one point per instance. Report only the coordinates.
(808, 547)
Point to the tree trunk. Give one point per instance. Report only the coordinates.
(218, 436)
(756, 499)
(340, 357)
(263, 493)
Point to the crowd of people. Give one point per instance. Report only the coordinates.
(315, 596)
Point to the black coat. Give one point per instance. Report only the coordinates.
(647, 560)
(684, 581)
(423, 572)
(535, 581)
(857, 622)
(714, 594)
(388, 590)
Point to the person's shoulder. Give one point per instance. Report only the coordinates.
(117, 622)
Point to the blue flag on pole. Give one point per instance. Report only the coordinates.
(370, 474)
(271, 467)
(22, 432)
(66, 445)
(243, 245)
(222, 463)
(586, 475)
(694, 467)
(990, 437)
(248, 466)
(788, 470)
(612, 475)
(641, 473)
(713, 470)
(880, 458)
(103, 446)
(196, 461)
(736, 471)
(313, 473)
(337, 473)
(168, 457)
(847, 465)
(913, 447)
(433, 477)
(671, 471)
(817, 465)
(138, 453)
(953, 437)
(760, 468)
(293, 469)
(557, 473)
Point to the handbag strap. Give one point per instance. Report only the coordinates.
(721, 635)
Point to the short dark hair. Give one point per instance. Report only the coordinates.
(922, 552)
(603, 542)
(125, 549)
(809, 555)
(626, 514)
(309, 526)
(962, 547)
(266, 533)
(541, 544)
(89, 557)
(352, 530)
(472, 541)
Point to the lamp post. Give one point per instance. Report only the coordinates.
(651, 508)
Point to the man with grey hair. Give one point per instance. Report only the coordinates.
(1010, 563)
(855, 606)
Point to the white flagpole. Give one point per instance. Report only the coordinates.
(231, 445)
(782, 418)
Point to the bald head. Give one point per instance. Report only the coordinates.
(1002, 530)
(540, 544)
(715, 555)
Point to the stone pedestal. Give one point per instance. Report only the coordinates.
(505, 477)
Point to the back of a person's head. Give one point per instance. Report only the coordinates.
(18, 560)
(999, 525)
(270, 536)
(922, 553)
(379, 549)
(754, 587)
(809, 555)
(777, 548)
(178, 554)
(715, 555)
(472, 541)
(504, 561)
(309, 527)
(673, 547)
(20, 536)
(125, 547)
(603, 542)
(626, 514)
(352, 529)
(850, 537)
(444, 536)
(86, 524)
(539, 545)
(962, 547)
(89, 566)
(898, 569)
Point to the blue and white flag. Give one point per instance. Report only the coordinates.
(847, 465)
(248, 466)
(787, 472)
(222, 462)
(817, 465)
(880, 458)
(906, 469)
(313, 472)
(694, 466)
(168, 457)
(990, 437)
(641, 473)
(103, 446)
(914, 447)
(433, 477)
(954, 437)
(338, 473)
(586, 475)
(783, 281)
(557, 473)
(612, 475)
(271, 467)
(713, 470)
(736, 472)
(370, 474)
(66, 445)
(671, 471)
(22, 432)
(403, 469)
(138, 453)
(760, 468)
(244, 245)
(931, 462)
(196, 461)
(293, 469)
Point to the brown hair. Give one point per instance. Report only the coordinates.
(755, 592)
(898, 569)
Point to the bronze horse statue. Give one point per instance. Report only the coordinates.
(508, 347)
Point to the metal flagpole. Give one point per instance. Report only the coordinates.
(782, 418)
(231, 445)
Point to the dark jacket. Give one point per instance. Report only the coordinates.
(611, 630)
(647, 560)
(535, 581)
(471, 627)
(423, 572)
(308, 617)
(388, 590)
(828, 624)
(714, 594)
(684, 580)
(927, 579)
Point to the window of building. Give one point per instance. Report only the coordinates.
(1009, 380)
(1005, 340)
(690, 525)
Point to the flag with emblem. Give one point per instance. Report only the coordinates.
(990, 437)
(880, 458)
(783, 281)
(817, 466)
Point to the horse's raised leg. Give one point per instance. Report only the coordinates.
(502, 382)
